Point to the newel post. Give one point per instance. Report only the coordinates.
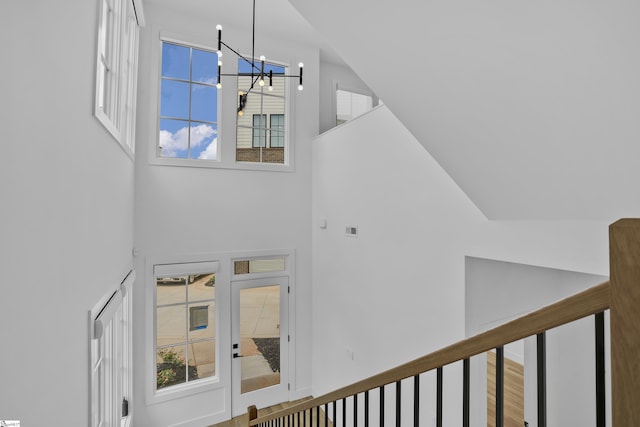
(624, 251)
(252, 411)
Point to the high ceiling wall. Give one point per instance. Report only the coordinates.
(532, 108)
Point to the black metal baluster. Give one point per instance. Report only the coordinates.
(335, 413)
(466, 391)
(382, 406)
(541, 356)
(416, 400)
(439, 374)
(500, 387)
(366, 408)
(298, 417)
(304, 417)
(355, 410)
(600, 379)
(398, 403)
(344, 412)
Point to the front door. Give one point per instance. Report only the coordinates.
(259, 343)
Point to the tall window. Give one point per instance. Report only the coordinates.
(117, 70)
(253, 128)
(111, 373)
(188, 103)
(185, 323)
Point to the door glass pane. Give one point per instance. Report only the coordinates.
(260, 337)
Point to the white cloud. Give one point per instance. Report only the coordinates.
(211, 152)
(171, 143)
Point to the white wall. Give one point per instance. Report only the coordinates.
(66, 228)
(397, 291)
(332, 75)
(497, 292)
(181, 212)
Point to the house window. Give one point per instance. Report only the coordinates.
(111, 357)
(277, 130)
(188, 103)
(117, 70)
(185, 323)
(259, 130)
(255, 103)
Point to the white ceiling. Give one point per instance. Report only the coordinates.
(277, 18)
(533, 108)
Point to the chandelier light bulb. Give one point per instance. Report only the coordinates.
(241, 113)
(219, 85)
(219, 27)
(261, 82)
(262, 58)
(219, 53)
(270, 88)
(301, 65)
(300, 87)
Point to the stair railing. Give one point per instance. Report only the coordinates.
(621, 294)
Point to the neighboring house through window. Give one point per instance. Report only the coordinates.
(189, 120)
(261, 115)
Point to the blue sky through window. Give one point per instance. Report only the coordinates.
(188, 103)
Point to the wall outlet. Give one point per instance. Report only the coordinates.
(351, 230)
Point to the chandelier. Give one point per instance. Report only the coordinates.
(258, 74)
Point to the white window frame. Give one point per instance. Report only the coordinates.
(227, 102)
(178, 267)
(110, 354)
(117, 69)
(224, 276)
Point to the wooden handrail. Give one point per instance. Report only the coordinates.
(588, 302)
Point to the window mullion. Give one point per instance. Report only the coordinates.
(190, 95)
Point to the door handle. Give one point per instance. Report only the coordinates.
(236, 355)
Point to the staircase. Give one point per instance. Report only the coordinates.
(393, 397)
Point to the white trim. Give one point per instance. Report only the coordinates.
(110, 355)
(226, 145)
(182, 269)
(163, 267)
(224, 277)
(121, 39)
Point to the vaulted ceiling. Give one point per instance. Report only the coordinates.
(533, 108)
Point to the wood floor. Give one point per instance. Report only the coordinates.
(513, 392)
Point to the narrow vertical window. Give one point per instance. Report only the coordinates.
(255, 104)
(117, 69)
(188, 103)
(185, 324)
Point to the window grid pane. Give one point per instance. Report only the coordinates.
(259, 130)
(188, 95)
(277, 130)
(185, 328)
(260, 126)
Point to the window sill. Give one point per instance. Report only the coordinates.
(184, 390)
(216, 164)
